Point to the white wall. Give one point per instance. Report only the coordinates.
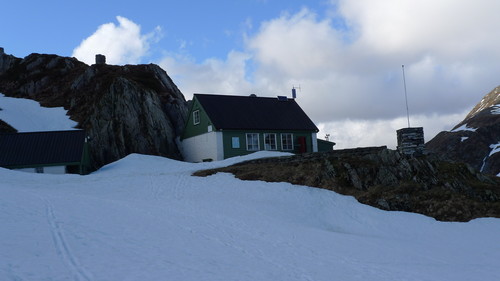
(54, 170)
(206, 146)
(314, 142)
(46, 170)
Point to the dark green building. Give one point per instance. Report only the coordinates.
(221, 127)
(53, 152)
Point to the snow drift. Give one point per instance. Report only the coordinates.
(147, 218)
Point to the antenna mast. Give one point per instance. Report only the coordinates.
(406, 97)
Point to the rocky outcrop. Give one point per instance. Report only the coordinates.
(6, 61)
(476, 139)
(123, 109)
(385, 179)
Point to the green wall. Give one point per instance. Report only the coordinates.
(324, 145)
(231, 152)
(191, 130)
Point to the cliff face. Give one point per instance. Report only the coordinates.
(124, 109)
(385, 179)
(476, 139)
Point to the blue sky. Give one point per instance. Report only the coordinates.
(345, 54)
(204, 28)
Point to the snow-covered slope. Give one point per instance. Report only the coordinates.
(147, 218)
(28, 116)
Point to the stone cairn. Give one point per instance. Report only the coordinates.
(411, 141)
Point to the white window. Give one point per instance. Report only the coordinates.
(287, 141)
(253, 142)
(196, 117)
(235, 142)
(270, 142)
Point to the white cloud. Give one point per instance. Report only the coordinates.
(447, 27)
(350, 73)
(211, 76)
(121, 44)
(349, 133)
(356, 72)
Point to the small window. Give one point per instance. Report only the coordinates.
(287, 141)
(196, 117)
(253, 142)
(270, 142)
(235, 142)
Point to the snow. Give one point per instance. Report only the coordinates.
(28, 116)
(147, 218)
(494, 148)
(496, 109)
(463, 139)
(464, 128)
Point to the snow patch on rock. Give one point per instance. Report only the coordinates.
(494, 148)
(464, 128)
(28, 116)
(496, 109)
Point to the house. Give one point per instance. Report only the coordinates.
(53, 152)
(220, 127)
(325, 145)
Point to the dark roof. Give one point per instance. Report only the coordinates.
(251, 112)
(41, 148)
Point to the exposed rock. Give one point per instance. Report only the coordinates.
(6, 61)
(385, 179)
(124, 109)
(471, 140)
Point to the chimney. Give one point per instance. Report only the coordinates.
(100, 59)
(294, 93)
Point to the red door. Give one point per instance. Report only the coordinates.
(302, 144)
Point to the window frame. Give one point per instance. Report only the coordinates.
(284, 138)
(252, 144)
(269, 146)
(196, 117)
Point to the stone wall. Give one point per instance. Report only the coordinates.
(411, 141)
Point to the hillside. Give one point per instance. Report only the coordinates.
(124, 109)
(475, 140)
(385, 179)
(147, 218)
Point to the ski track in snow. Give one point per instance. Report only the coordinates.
(62, 247)
(147, 218)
